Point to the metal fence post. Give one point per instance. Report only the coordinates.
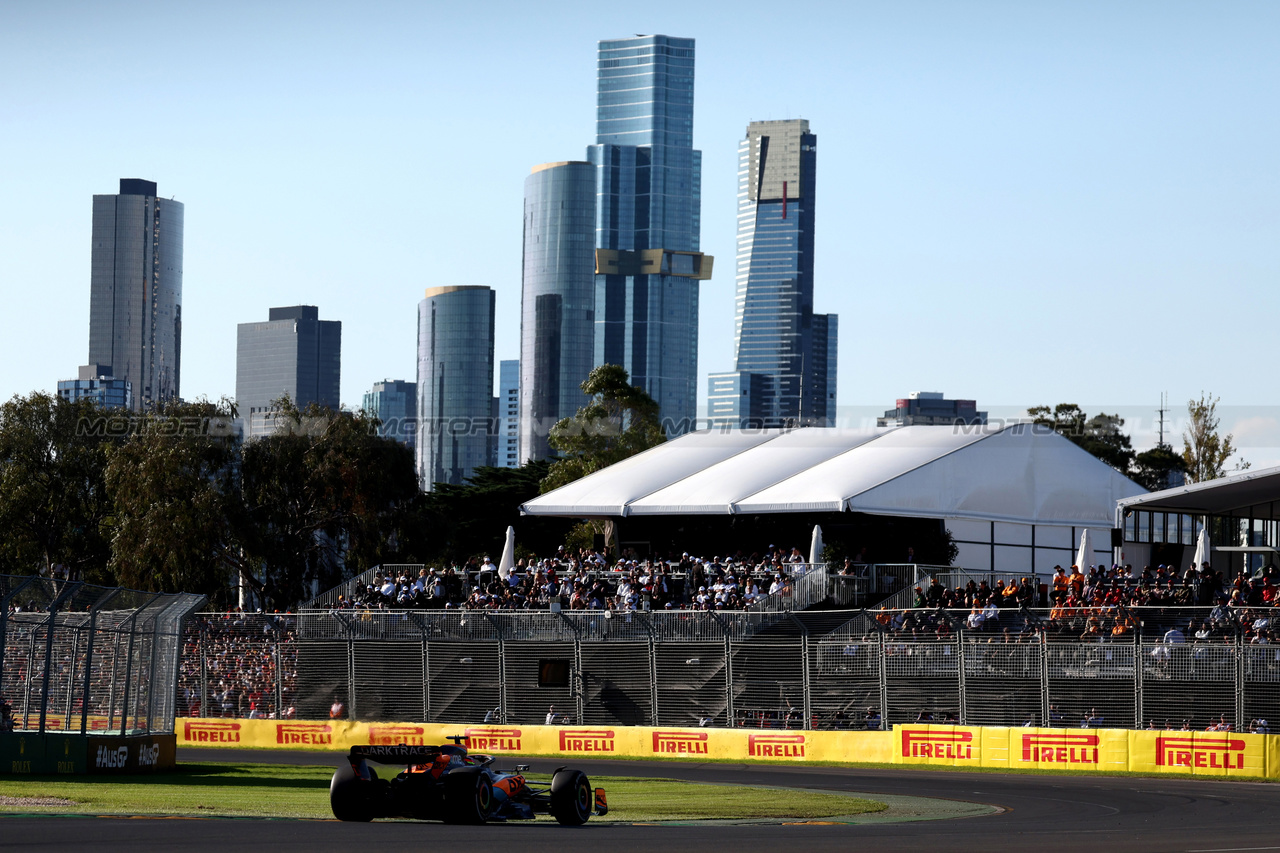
(728, 674)
(804, 669)
(48, 649)
(1240, 682)
(279, 681)
(884, 683)
(964, 699)
(1139, 712)
(1044, 681)
(88, 671)
(151, 676)
(128, 672)
(111, 693)
(653, 679)
(204, 676)
(502, 676)
(71, 679)
(426, 680)
(580, 681)
(353, 710)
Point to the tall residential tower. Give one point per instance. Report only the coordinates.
(648, 208)
(135, 292)
(455, 383)
(558, 299)
(784, 354)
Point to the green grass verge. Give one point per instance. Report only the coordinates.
(273, 790)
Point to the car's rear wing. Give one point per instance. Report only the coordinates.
(395, 753)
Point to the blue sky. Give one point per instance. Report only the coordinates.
(1017, 202)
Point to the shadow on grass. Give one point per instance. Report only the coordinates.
(205, 776)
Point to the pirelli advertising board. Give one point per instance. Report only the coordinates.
(1102, 750)
(1202, 753)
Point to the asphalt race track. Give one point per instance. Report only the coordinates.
(1039, 813)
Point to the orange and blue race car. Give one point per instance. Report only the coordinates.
(449, 784)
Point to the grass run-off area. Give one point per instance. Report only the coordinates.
(287, 791)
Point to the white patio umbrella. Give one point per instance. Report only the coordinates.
(1202, 548)
(508, 561)
(1085, 556)
(815, 546)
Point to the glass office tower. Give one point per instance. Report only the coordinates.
(558, 299)
(294, 354)
(135, 291)
(394, 402)
(455, 383)
(648, 208)
(784, 354)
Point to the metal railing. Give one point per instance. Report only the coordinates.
(77, 658)
(1114, 667)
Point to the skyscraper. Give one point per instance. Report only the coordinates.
(508, 418)
(394, 402)
(558, 299)
(784, 354)
(648, 209)
(455, 382)
(294, 353)
(135, 292)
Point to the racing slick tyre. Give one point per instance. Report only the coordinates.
(572, 797)
(348, 795)
(468, 796)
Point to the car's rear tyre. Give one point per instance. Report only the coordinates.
(572, 797)
(348, 795)
(468, 796)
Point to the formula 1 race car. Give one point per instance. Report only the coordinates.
(446, 783)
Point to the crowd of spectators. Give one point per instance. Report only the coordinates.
(238, 665)
(586, 580)
(1099, 605)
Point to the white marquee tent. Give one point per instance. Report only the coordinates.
(1015, 497)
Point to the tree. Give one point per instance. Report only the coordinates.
(54, 509)
(173, 488)
(1154, 469)
(321, 497)
(1204, 452)
(459, 521)
(619, 421)
(1100, 435)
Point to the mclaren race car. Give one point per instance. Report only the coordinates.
(446, 783)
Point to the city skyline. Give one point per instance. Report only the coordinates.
(1069, 176)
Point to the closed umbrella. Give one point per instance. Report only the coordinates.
(815, 546)
(1085, 557)
(508, 561)
(1202, 549)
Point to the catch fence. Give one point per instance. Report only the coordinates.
(818, 669)
(84, 659)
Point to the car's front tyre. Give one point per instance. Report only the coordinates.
(571, 797)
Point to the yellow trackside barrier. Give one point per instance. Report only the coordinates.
(1223, 754)
(580, 741)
